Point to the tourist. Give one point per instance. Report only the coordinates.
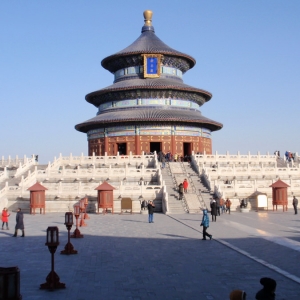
(287, 155)
(5, 216)
(175, 157)
(243, 204)
(20, 223)
(228, 205)
(144, 204)
(185, 185)
(237, 295)
(150, 211)
(213, 206)
(222, 205)
(180, 191)
(268, 290)
(295, 204)
(205, 224)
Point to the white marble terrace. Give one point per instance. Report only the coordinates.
(69, 178)
(237, 176)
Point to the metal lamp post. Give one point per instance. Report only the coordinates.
(52, 280)
(76, 233)
(10, 283)
(86, 202)
(69, 248)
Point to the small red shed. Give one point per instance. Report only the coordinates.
(279, 194)
(105, 197)
(37, 197)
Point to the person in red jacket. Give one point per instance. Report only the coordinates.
(185, 185)
(5, 216)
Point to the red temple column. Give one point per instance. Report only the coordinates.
(137, 145)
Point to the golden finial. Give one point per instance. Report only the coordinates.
(148, 17)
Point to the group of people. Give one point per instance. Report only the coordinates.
(289, 156)
(218, 206)
(19, 221)
(266, 293)
(183, 188)
(170, 157)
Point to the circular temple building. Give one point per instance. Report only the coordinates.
(148, 107)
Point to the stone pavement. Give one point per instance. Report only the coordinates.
(125, 257)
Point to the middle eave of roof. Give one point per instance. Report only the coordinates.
(153, 84)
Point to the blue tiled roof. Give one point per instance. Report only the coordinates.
(157, 83)
(148, 42)
(179, 116)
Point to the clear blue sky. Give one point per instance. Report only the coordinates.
(247, 53)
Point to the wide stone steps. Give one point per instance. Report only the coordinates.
(175, 205)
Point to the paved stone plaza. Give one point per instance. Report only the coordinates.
(125, 257)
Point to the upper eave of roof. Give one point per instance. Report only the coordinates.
(147, 43)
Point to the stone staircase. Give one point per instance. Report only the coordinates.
(175, 206)
(197, 197)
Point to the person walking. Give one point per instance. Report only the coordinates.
(222, 204)
(180, 191)
(228, 205)
(20, 223)
(151, 207)
(213, 206)
(185, 185)
(205, 224)
(295, 204)
(5, 216)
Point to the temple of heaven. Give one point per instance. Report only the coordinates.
(148, 107)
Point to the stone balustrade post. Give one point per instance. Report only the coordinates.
(126, 171)
(234, 186)
(105, 158)
(48, 169)
(143, 170)
(109, 171)
(79, 188)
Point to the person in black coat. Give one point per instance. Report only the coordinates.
(151, 207)
(213, 206)
(20, 223)
(268, 291)
(180, 191)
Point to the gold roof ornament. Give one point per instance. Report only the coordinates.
(148, 17)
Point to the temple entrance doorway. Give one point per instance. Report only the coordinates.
(155, 146)
(187, 149)
(122, 149)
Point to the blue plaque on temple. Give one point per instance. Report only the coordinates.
(151, 65)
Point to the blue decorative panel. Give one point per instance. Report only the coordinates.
(152, 65)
